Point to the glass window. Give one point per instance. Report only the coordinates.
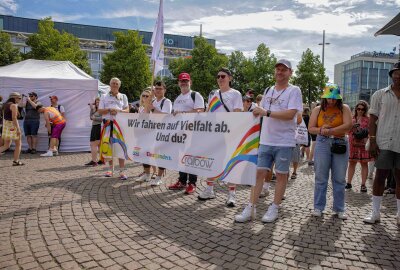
(379, 65)
(367, 64)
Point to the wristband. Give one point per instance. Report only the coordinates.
(268, 113)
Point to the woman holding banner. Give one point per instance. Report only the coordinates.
(225, 99)
(110, 105)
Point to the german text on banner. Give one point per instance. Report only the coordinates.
(220, 146)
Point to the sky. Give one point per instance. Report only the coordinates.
(287, 27)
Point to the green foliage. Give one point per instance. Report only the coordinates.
(241, 68)
(8, 54)
(263, 69)
(129, 63)
(256, 72)
(310, 76)
(49, 44)
(203, 66)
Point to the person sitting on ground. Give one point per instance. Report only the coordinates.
(11, 131)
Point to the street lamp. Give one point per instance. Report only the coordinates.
(323, 47)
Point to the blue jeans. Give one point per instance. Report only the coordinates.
(280, 155)
(325, 161)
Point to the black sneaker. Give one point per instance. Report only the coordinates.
(348, 186)
(33, 151)
(91, 163)
(28, 151)
(100, 162)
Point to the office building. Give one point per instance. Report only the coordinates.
(363, 74)
(97, 41)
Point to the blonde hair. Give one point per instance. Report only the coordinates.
(146, 90)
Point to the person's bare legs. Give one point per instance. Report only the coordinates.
(17, 150)
(29, 141)
(93, 150)
(280, 187)
(256, 190)
(34, 142)
(5, 146)
(364, 172)
(351, 170)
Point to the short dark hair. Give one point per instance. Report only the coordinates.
(39, 107)
(160, 83)
(225, 70)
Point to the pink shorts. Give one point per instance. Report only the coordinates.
(56, 130)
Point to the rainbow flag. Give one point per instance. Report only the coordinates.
(108, 138)
(249, 142)
(215, 103)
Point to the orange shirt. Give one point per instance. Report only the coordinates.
(333, 117)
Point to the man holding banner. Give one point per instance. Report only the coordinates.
(187, 102)
(278, 108)
(110, 105)
(225, 99)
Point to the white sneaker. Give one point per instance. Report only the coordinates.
(271, 215)
(316, 213)
(47, 154)
(264, 193)
(341, 215)
(156, 182)
(246, 214)
(372, 218)
(231, 201)
(145, 178)
(207, 194)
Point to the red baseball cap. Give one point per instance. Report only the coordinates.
(184, 76)
(55, 97)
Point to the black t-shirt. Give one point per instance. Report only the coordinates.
(31, 113)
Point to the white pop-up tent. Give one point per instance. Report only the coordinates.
(73, 87)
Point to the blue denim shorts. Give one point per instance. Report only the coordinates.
(280, 155)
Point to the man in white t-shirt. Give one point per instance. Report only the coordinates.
(110, 105)
(187, 102)
(225, 99)
(278, 108)
(162, 105)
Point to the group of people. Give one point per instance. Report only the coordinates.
(342, 139)
(18, 107)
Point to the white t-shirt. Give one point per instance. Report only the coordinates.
(232, 99)
(185, 103)
(119, 102)
(167, 106)
(252, 107)
(276, 132)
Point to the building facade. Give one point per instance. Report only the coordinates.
(363, 74)
(97, 41)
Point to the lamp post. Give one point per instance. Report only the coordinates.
(323, 47)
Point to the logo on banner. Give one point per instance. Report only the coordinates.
(203, 163)
(158, 156)
(136, 151)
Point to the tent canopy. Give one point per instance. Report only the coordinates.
(391, 28)
(73, 87)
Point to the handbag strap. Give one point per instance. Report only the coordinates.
(220, 97)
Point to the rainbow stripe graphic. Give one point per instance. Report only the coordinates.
(107, 140)
(215, 103)
(242, 152)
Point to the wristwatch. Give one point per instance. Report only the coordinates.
(268, 113)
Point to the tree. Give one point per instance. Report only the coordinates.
(203, 66)
(8, 54)
(129, 63)
(263, 68)
(310, 76)
(242, 68)
(49, 44)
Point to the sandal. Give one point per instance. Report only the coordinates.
(363, 188)
(294, 176)
(18, 163)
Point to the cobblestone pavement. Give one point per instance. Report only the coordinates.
(58, 214)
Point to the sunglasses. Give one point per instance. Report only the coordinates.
(145, 96)
(361, 109)
(221, 76)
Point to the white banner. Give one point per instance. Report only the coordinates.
(220, 146)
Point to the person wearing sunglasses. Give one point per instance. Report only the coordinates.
(31, 121)
(248, 101)
(224, 99)
(358, 137)
(384, 134)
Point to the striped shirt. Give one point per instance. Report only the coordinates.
(386, 106)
